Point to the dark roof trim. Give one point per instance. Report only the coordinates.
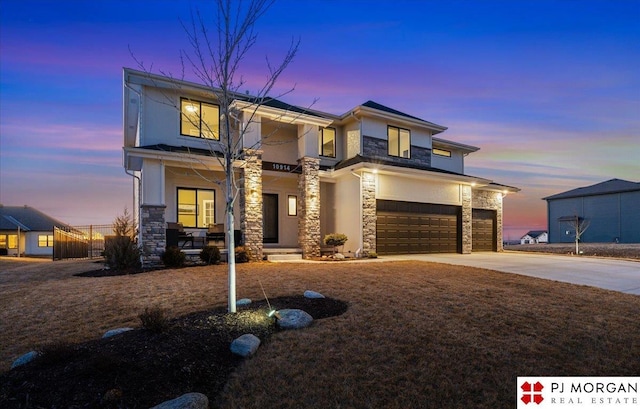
(379, 107)
(182, 149)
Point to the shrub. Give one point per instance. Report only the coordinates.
(121, 252)
(243, 254)
(210, 254)
(173, 257)
(335, 240)
(154, 320)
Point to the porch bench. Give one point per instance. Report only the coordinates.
(176, 234)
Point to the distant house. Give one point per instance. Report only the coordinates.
(26, 231)
(535, 237)
(611, 208)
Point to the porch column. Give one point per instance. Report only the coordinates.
(369, 217)
(152, 234)
(309, 207)
(251, 203)
(467, 238)
(152, 223)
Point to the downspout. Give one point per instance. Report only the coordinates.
(139, 210)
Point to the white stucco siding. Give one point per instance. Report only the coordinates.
(414, 190)
(31, 247)
(279, 142)
(153, 172)
(161, 120)
(378, 129)
(453, 164)
(348, 213)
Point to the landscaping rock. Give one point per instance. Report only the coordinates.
(339, 256)
(24, 359)
(245, 345)
(243, 301)
(116, 331)
(187, 401)
(294, 319)
(312, 294)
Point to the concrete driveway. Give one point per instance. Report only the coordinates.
(611, 274)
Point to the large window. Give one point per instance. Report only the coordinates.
(199, 119)
(45, 240)
(196, 207)
(327, 146)
(399, 142)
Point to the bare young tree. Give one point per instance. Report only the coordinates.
(578, 225)
(219, 42)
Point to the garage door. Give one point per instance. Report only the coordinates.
(484, 230)
(407, 227)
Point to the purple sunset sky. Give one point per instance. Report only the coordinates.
(549, 90)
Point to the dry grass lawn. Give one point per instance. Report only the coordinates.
(415, 335)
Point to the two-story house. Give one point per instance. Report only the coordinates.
(378, 175)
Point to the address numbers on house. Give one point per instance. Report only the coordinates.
(280, 167)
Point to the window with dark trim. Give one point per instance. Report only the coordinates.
(196, 207)
(441, 152)
(199, 119)
(399, 141)
(327, 145)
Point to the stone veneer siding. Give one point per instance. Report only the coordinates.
(309, 207)
(153, 234)
(491, 201)
(467, 225)
(369, 218)
(251, 205)
(379, 148)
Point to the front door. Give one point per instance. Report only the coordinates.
(269, 218)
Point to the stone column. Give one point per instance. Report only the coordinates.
(251, 203)
(369, 218)
(153, 234)
(309, 207)
(467, 239)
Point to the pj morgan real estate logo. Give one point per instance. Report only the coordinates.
(578, 392)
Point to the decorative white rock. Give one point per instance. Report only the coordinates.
(312, 294)
(293, 319)
(243, 301)
(245, 345)
(116, 331)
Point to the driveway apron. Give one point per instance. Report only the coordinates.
(610, 274)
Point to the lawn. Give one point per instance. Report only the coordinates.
(414, 335)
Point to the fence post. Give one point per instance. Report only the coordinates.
(91, 242)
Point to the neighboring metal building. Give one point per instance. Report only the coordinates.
(611, 208)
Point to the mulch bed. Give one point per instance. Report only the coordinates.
(142, 368)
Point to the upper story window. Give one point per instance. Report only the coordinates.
(327, 142)
(199, 119)
(441, 152)
(399, 141)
